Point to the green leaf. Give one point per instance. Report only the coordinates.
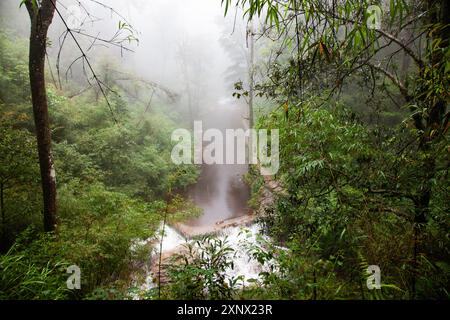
(227, 4)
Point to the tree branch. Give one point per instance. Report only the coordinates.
(394, 79)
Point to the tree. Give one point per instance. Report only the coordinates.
(242, 55)
(251, 73)
(191, 61)
(336, 42)
(41, 16)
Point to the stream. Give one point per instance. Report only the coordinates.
(222, 195)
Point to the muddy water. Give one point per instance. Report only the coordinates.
(223, 195)
(220, 190)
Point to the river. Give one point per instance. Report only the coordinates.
(222, 195)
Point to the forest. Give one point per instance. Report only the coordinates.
(344, 104)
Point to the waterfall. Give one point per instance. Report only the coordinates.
(240, 239)
(222, 194)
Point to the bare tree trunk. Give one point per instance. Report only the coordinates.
(251, 74)
(41, 18)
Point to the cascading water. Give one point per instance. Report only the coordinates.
(223, 196)
(244, 241)
(241, 239)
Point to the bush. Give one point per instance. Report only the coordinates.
(33, 269)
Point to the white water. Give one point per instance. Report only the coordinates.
(172, 239)
(223, 195)
(244, 241)
(240, 239)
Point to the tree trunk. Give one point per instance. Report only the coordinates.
(439, 13)
(41, 18)
(251, 75)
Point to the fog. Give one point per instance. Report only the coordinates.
(179, 41)
(186, 47)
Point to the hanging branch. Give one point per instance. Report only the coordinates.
(85, 58)
(147, 107)
(173, 96)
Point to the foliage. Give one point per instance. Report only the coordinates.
(19, 190)
(349, 203)
(200, 271)
(363, 119)
(113, 180)
(32, 269)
